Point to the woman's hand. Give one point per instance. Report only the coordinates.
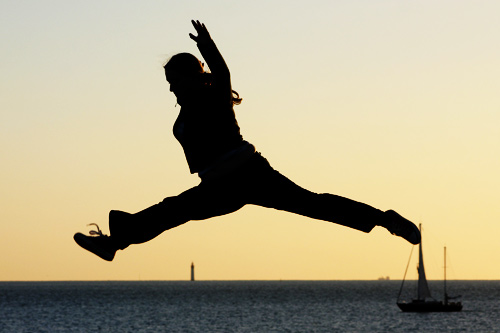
(203, 35)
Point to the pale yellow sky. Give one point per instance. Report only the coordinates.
(391, 103)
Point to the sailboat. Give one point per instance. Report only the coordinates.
(424, 301)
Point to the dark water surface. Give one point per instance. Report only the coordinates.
(237, 306)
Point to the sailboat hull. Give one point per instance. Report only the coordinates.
(430, 306)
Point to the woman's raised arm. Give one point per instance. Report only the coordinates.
(209, 51)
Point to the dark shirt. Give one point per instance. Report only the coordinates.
(206, 127)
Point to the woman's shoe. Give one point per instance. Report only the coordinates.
(399, 226)
(99, 244)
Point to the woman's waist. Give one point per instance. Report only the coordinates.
(228, 161)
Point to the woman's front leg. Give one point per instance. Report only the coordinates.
(201, 202)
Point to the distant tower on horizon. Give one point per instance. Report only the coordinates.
(192, 271)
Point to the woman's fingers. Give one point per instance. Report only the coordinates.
(201, 30)
(197, 25)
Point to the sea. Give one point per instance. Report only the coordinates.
(239, 306)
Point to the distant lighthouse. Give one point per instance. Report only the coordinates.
(192, 271)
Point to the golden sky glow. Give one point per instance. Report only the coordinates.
(392, 103)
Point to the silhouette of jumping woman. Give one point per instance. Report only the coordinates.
(232, 173)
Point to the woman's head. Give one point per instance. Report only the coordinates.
(185, 64)
(186, 76)
(184, 72)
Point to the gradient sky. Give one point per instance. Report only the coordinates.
(392, 103)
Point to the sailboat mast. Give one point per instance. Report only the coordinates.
(445, 294)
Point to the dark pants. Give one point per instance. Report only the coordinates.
(256, 183)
